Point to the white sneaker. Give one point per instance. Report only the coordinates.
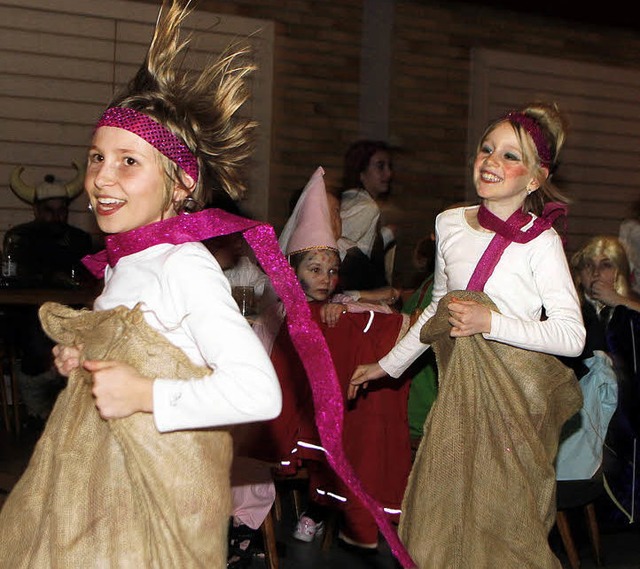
(307, 529)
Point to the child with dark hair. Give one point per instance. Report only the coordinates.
(365, 240)
(376, 434)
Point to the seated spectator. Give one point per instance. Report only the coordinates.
(242, 270)
(47, 253)
(611, 317)
(47, 250)
(424, 371)
(365, 243)
(252, 489)
(384, 296)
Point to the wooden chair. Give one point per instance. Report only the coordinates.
(268, 527)
(9, 398)
(579, 494)
(295, 484)
(269, 539)
(292, 483)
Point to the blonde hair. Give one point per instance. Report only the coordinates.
(200, 108)
(603, 246)
(553, 126)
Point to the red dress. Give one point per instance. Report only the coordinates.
(376, 432)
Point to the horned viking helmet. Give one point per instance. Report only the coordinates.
(48, 189)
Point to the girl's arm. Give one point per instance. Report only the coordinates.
(243, 386)
(562, 333)
(118, 389)
(362, 375)
(410, 347)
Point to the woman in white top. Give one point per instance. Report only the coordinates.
(365, 240)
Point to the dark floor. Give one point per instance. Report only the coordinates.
(620, 550)
(620, 546)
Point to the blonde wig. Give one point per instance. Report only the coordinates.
(603, 246)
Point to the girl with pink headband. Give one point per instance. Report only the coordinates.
(482, 487)
(133, 467)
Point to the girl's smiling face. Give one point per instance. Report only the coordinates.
(318, 273)
(125, 181)
(500, 176)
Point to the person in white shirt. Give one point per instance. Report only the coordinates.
(133, 467)
(482, 484)
(366, 244)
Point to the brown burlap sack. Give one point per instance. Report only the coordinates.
(118, 494)
(481, 493)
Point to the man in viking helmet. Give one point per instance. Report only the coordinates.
(47, 248)
(47, 253)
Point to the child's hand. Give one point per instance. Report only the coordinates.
(119, 390)
(604, 292)
(383, 295)
(468, 317)
(330, 313)
(362, 376)
(66, 358)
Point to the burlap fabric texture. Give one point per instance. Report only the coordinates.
(118, 494)
(481, 494)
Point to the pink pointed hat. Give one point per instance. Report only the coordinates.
(309, 226)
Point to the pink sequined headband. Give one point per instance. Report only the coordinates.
(155, 134)
(535, 132)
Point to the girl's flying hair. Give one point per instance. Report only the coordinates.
(200, 108)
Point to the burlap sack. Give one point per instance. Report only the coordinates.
(481, 493)
(117, 493)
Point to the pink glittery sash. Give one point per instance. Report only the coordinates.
(507, 232)
(305, 333)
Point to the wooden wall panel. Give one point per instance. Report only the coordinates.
(60, 63)
(600, 163)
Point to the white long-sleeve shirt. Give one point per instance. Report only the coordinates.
(187, 298)
(360, 217)
(527, 278)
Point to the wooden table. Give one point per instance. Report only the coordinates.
(36, 296)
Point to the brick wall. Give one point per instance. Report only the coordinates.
(316, 90)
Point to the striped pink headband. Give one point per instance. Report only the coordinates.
(158, 136)
(535, 132)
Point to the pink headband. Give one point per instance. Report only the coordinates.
(155, 134)
(535, 132)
